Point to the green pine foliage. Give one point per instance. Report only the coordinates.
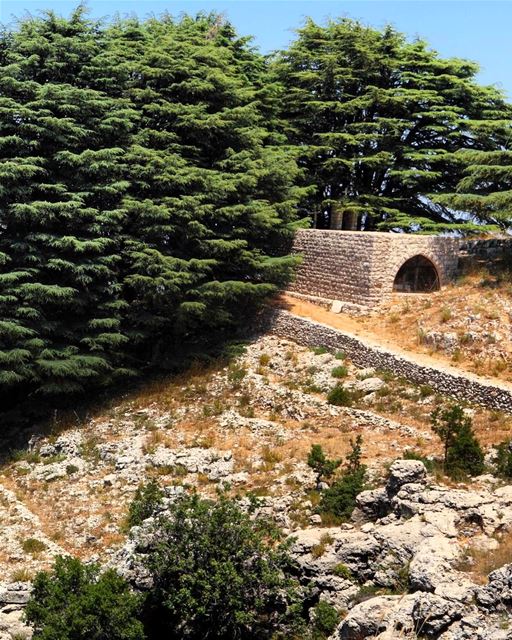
(77, 602)
(60, 207)
(463, 454)
(381, 123)
(485, 189)
(145, 196)
(504, 459)
(323, 466)
(339, 500)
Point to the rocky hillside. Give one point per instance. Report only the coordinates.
(415, 558)
(466, 323)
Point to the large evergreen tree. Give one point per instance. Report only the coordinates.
(143, 189)
(380, 120)
(60, 208)
(485, 190)
(211, 186)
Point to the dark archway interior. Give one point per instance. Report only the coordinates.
(418, 274)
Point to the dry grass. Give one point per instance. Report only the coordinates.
(480, 562)
(400, 323)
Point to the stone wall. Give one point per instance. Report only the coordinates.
(458, 385)
(360, 267)
(488, 249)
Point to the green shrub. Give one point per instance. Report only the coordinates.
(462, 451)
(465, 456)
(323, 466)
(340, 396)
(340, 355)
(318, 351)
(339, 372)
(504, 460)
(218, 573)
(236, 374)
(325, 620)
(146, 501)
(341, 570)
(339, 499)
(76, 602)
(426, 390)
(446, 314)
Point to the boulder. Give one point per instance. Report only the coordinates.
(433, 614)
(404, 472)
(498, 592)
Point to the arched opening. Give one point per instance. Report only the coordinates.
(418, 274)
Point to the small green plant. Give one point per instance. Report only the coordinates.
(33, 546)
(342, 571)
(446, 314)
(24, 455)
(319, 549)
(340, 355)
(462, 451)
(339, 499)
(236, 374)
(325, 620)
(146, 501)
(339, 372)
(340, 396)
(426, 391)
(71, 469)
(21, 575)
(318, 351)
(323, 466)
(264, 360)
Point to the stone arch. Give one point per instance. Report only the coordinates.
(418, 274)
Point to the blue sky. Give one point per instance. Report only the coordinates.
(474, 29)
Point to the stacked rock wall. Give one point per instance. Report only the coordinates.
(360, 267)
(459, 385)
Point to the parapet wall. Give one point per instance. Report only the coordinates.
(360, 266)
(458, 385)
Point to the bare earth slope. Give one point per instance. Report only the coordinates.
(248, 425)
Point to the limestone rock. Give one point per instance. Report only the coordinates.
(404, 472)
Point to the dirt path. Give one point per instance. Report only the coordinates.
(352, 327)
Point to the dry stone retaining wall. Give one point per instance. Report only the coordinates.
(360, 266)
(310, 333)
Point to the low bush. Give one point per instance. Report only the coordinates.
(325, 620)
(77, 602)
(145, 503)
(339, 372)
(318, 351)
(339, 499)
(220, 574)
(504, 459)
(462, 452)
(340, 396)
(32, 545)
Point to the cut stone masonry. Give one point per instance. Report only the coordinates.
(360, 267)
